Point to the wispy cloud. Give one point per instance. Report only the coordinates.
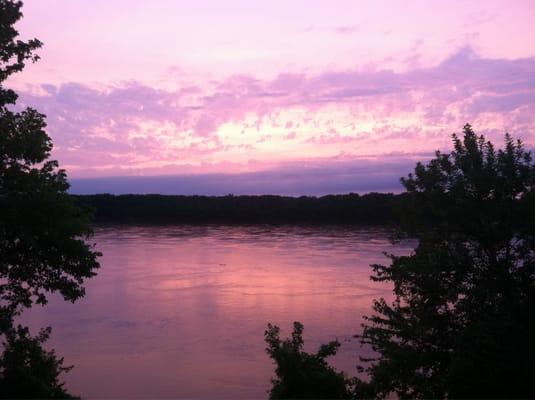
(363, 111)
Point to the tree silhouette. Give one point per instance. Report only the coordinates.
(29, 371)
(300, 374)
(462, 322)
(42, 232)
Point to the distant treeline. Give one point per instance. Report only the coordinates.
(372, 208)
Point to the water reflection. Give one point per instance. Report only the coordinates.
(180, 311)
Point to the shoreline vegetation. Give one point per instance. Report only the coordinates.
(347, 209)
(459, 322)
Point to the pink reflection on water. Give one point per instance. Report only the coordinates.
(181, 311)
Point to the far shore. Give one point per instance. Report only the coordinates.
(350, 209)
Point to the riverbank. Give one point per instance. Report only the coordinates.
(368, 209)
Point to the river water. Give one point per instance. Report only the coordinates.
(180, 311)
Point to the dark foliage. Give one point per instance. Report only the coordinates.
(462, 324)
(42, 232)
(29, 371)
(373, 208)
(301, 375)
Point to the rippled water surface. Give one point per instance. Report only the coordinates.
(181, 311)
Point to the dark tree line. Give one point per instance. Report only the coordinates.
(373, 208)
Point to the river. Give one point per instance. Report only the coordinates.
(180, 311)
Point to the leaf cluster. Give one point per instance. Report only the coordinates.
(462, 320)
(301, 374)
(43, 234)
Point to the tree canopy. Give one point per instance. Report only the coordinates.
(43, 234)
(28, 370)
(462, 321)
(301, 374)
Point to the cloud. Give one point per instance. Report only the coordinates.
(290, 135)
(347, 29)
(293, 178)
(134, 126)
(331, 137)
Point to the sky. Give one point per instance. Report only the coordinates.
(288, 97)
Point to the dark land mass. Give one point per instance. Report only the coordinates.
(368, 209)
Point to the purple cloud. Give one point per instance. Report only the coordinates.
(137, 126)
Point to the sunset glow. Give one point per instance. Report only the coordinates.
(180, 88)
(287, 199)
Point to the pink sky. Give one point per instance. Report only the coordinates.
(176, 87)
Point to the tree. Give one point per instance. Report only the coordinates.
(300, 374)
(29, 371)
(42, 232)
(462, 322)
(43, 235)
